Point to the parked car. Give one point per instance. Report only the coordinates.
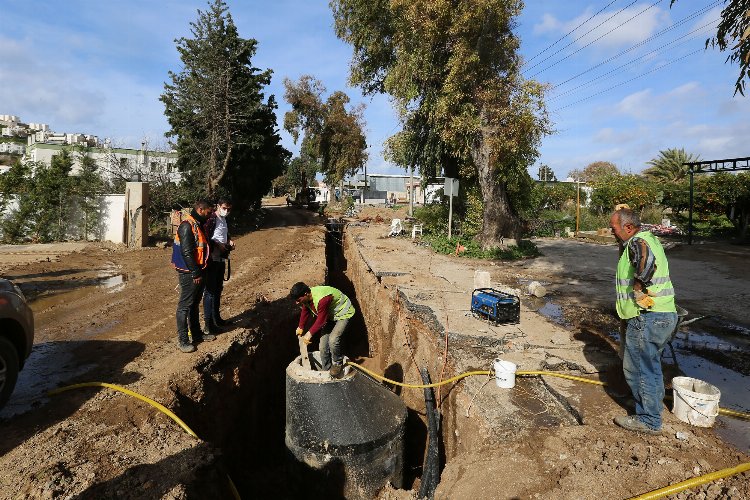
(16, 336)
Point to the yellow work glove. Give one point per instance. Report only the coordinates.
(299, 331)
(307, 338)
(643, 299)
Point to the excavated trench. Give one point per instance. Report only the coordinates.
(239, 404)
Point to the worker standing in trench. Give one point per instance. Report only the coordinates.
(190, 254)
(645, 299)
(333, 310)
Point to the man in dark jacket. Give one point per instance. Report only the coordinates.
(190, 253)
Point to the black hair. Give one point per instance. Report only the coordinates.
(201, 204)
(298, 290)
(224, 201)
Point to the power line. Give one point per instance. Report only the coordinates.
(630, 80)
(629, 62)
(647, 40)
(597, 38)
(582, 36)
(566, 35)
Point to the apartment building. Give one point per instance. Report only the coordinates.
(42, 145)
(114, 163)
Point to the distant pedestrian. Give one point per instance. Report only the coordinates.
(220, 244)
(332, 310)
(645, 299)
(190, 253)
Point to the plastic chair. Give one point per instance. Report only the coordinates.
(416, 228)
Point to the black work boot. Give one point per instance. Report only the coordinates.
(336, 371)
(186, 347)
(203, 337)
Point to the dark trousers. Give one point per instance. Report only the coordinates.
(212, 295)
(188, 308)
(330, 343)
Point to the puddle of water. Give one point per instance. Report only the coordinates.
(49, 364)
(735, 394)
(734, 386)
(547, 308)
(44, 295)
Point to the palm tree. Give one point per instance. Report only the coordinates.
(669, 165)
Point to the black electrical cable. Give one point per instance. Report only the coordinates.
(597, 38)
(431, 466)
(644, 56)
(628, 81)
(582, 36)
(644, 42)
(566, 35)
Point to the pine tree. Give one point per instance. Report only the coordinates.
(215, 105)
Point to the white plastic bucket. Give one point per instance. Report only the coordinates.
(695, 401)
(505, 373)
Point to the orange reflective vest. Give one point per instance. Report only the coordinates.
(200, 254)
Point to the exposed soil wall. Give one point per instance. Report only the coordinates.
(403, 338)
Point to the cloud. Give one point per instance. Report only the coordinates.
(647, 105)
(549, 24)
(616, 28)
(706, 24)
(637, 105)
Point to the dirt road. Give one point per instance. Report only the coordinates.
(106, 314)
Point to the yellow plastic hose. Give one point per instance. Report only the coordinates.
(522, 373)
(418, 386)
(669, 490)
(691, 483)
(150, 401)
(734, 413)
(561, 375)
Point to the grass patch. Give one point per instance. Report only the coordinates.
(441, 244)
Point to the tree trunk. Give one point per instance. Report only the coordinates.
(501, 226)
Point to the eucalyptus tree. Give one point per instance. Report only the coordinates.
(224, 128)
(333, 133)
(453, 71)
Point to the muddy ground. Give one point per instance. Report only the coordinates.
(106, 314)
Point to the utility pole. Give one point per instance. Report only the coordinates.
(411, 193)
(578, 204)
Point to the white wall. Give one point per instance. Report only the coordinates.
(114, 215)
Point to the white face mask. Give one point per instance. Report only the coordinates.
(222, 212)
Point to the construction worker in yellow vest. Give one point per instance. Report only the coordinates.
(332, 310)
(645, 301)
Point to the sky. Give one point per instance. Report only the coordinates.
(627, 78)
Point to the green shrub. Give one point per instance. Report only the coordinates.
(434, 218)
(441, 244)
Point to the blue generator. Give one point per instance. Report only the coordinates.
(498, 307)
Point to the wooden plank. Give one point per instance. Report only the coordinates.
(303, 353)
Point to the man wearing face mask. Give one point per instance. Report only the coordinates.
(217, 232)
(190, 254)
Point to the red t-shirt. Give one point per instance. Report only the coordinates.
(322, 312)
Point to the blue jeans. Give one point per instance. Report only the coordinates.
(645, 339)
(212, 295)
(330, 343)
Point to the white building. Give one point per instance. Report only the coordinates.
(114, 163)
(13, 148)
